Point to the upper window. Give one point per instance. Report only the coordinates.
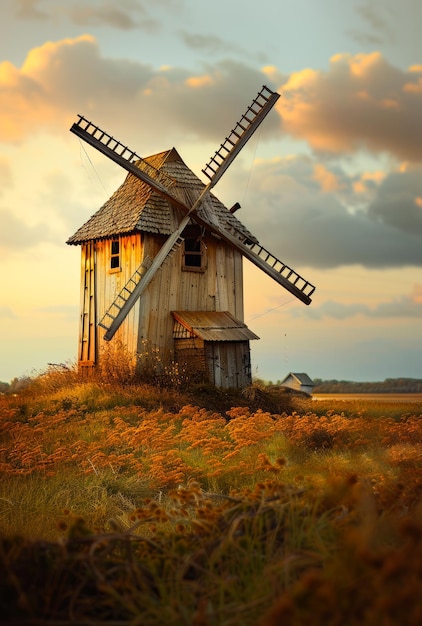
(115, 254)
(193, 249)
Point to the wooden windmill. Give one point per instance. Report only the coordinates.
(162, 260)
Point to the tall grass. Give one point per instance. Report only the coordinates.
(132, 504)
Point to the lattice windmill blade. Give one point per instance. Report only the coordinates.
(279, 271)
(240, 134)
(159, 182)
(124, 156)
(218, 164)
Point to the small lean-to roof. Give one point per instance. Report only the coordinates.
(301, 378)
(135, 207)
(210, 326)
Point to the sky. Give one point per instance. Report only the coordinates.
(331, 183)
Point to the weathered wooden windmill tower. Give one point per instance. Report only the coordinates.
(162, 260)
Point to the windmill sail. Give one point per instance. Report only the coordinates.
(218, 164)
(279, 271)
(241, 133)
(123, 156)
(159, 182)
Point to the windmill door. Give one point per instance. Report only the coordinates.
(229, 363)
(87, 330)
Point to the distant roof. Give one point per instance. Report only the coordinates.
(134, 206)
(302, 378)
(210, 326)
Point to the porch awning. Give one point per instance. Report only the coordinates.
(210, 326)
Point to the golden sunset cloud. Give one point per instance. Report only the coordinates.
(360, 102)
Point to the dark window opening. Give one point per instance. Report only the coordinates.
(115, 254)
(193, 249)
(193, 253)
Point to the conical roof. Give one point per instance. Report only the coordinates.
(135, 206)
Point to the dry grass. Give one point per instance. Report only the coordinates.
(132, 504)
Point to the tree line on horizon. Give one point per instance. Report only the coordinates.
(15, 385)
(389, 385)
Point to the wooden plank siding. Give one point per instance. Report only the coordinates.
(149, 324)
(229, 363)
(219, 287)
(111, 281)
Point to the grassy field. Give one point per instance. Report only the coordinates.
(132, 504)
(387, 398)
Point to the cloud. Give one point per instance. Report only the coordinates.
(327, 179)
(304, 225)
(398, 201)
(28, 9)
(407, 306)
(5, 174)
(361, 102)
(59, 79)
(124, 15)
(306, 210)
(55, 80)
(15, 234)
(118, 16)
(208, 43)
(374, 19)
(7, 313)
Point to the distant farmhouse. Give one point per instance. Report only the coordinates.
(299, 382)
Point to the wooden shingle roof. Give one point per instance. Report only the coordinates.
(134, 206)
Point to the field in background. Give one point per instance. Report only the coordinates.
(131, 504)
(370, 397)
